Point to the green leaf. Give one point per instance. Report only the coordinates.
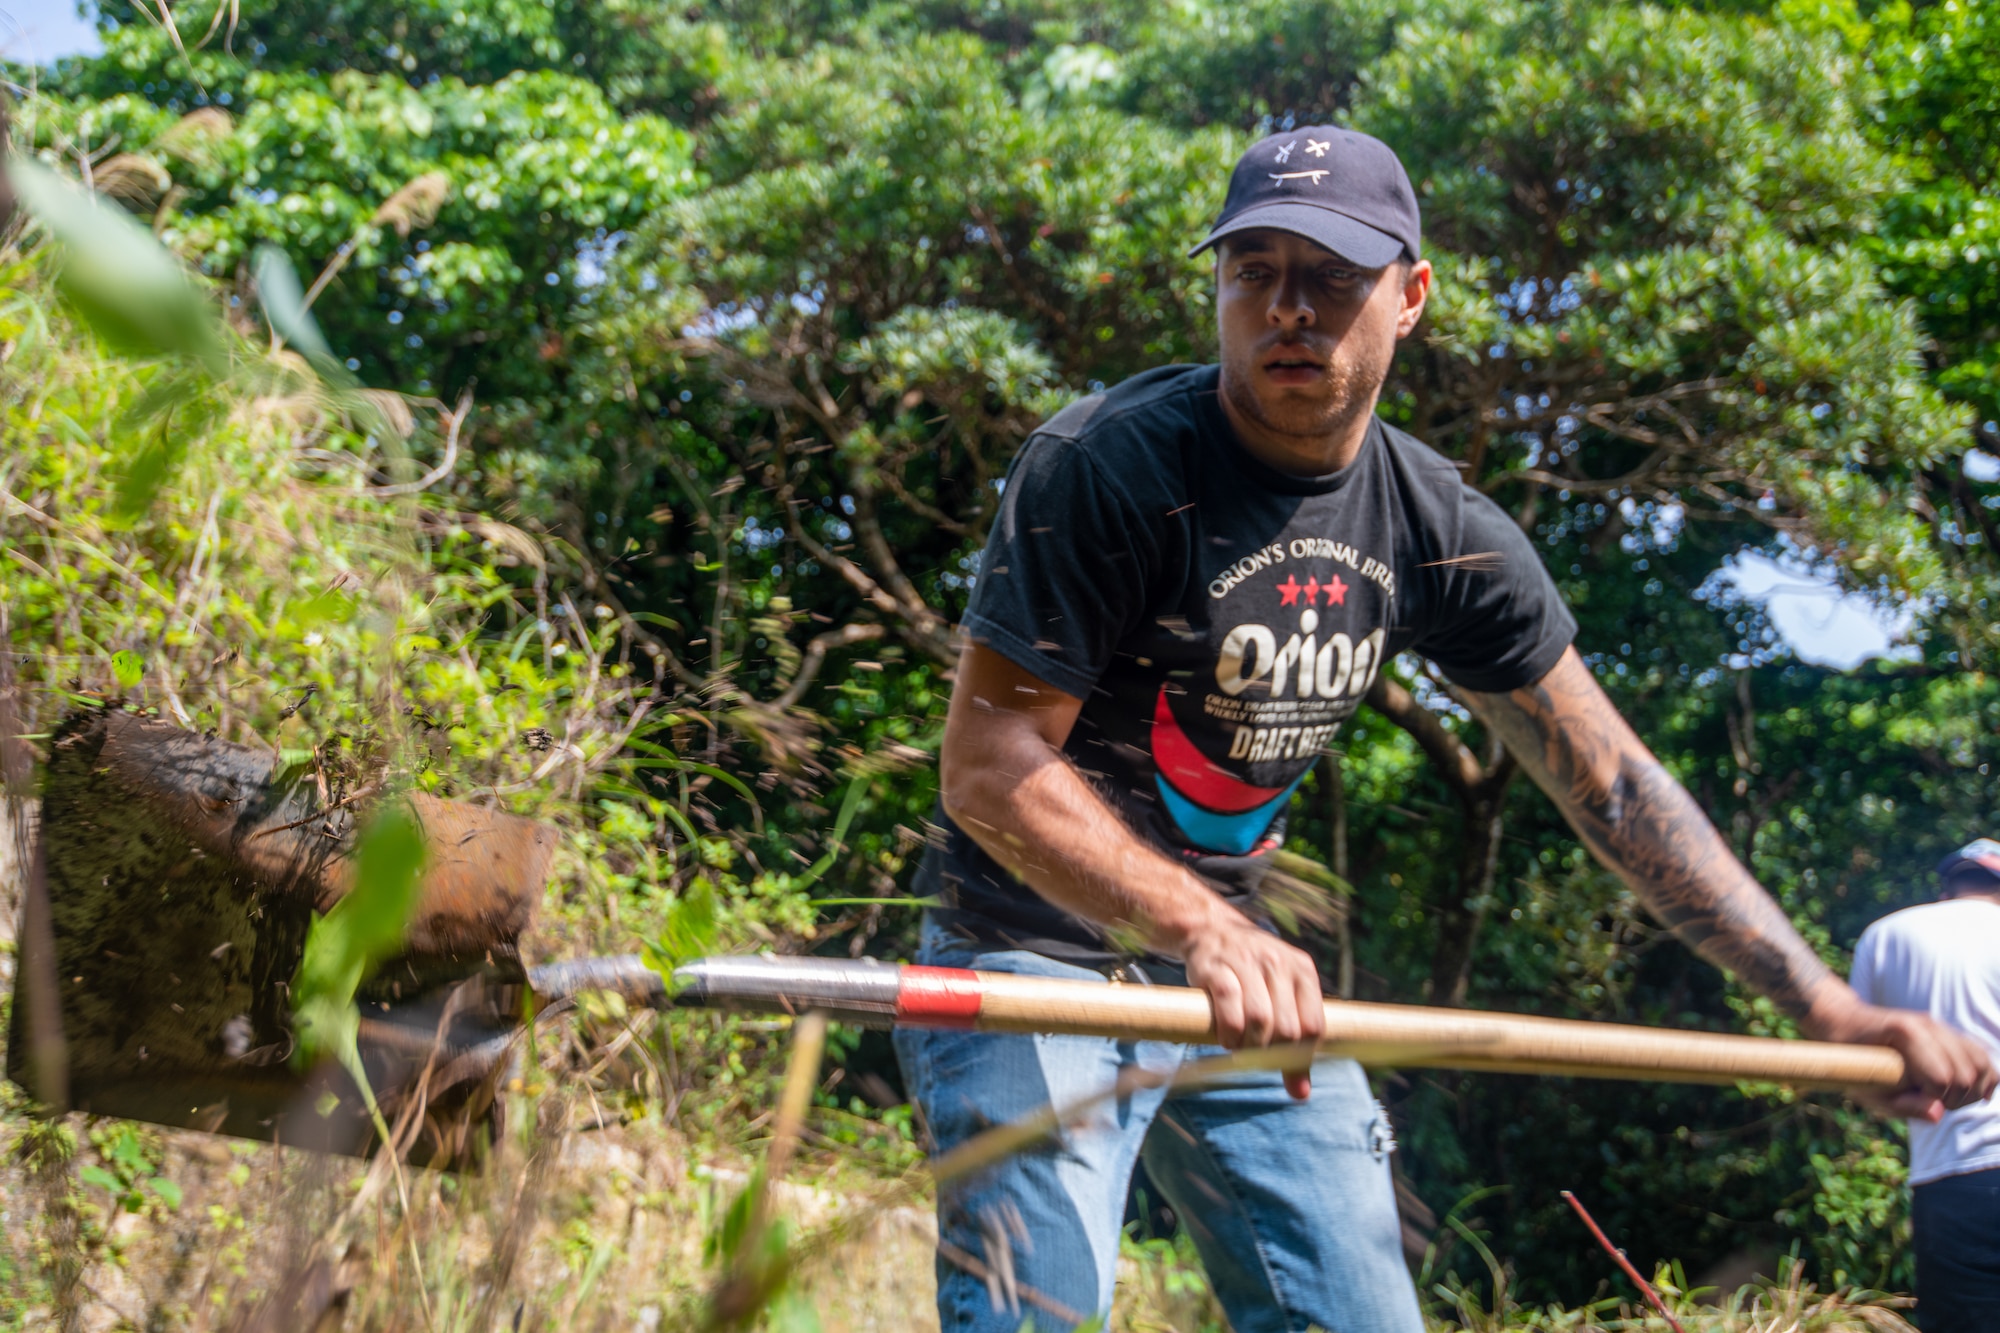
(143, 475)
(164, 397)
(734, 782)
(128, 668)
(680, 821)
(174, 411)
(1311, 871)
(387, 863)
(170, 1193)
(837, 844)
(104, 1180)
(347, 944)
(791, 1312)
(726, 1239)
(129, 288)
(284, 303)
(127, 1152)
(363, 928)
(325, 1024)
(327, 607)
(689, 932)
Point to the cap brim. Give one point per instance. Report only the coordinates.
(1958, 861)
(1354, 241)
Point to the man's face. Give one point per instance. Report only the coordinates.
(1306, 336)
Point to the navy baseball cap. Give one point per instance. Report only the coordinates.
(1982, 853)
(1337, 188)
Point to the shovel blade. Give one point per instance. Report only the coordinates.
(178, 877)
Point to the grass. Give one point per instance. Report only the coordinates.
(574, 1226)
(570, 1226)
(567, 1228)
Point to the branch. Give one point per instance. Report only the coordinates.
(658, 648)
(888, 570)
(353, 798)
(1034, 299)
(815, 657)
(890, 471)
(455, 422)
(1604, 415)
(926, 625)
(828, 410)
(771, 389)
(1453, 758)
(37, 515)
(923, 510)
(1968, 504)
(857, 577)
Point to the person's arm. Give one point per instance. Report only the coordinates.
(1643, 824)
(1005, 781)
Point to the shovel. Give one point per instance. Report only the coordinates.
(871, 993)
(175, 877)
(170, 889)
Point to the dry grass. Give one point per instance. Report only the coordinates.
(607, 1232)
(1791, 1304)
(572, 1226)
(610, 1232)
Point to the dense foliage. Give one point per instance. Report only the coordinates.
(756, 300)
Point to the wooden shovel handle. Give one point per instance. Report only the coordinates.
(1409, 1035)
(867, 991)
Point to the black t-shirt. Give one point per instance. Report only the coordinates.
(1220, 619)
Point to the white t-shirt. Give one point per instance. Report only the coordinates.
(1942, 959)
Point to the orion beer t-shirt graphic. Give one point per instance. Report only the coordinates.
(1220, 620)
(1299, 652)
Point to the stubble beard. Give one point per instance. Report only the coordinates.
(1348, 392)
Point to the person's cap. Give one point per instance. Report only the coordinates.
(1980, 853)
(1337, 188)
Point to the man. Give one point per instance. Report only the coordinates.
(1943, 959)
(1193, 580)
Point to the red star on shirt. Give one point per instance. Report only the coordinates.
(1336, 592)
(1312, 591)
(1288, 591)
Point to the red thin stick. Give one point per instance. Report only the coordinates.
(1653, 1297)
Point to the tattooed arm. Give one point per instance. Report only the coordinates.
(1643, 824)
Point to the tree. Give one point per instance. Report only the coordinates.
(1940, 246)
(457, 227)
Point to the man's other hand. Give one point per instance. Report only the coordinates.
(1265, 991)
(1944, 1068)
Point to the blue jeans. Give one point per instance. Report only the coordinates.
(1289, 1203)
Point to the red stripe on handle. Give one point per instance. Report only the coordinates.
(939, 997)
